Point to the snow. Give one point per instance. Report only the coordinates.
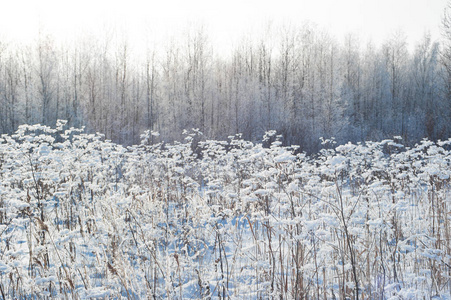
(158, 221)
(285, 157)
(98, 292)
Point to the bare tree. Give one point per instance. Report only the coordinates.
(446, 61)
(46, 76)
(151, 87)
(424, 102)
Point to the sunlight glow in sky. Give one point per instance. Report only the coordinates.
(226, 21)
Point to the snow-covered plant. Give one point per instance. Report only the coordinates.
(82, 217)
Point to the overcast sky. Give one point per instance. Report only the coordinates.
(226, 21)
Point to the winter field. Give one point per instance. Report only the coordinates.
(81, 217)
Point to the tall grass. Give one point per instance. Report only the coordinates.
(81, 217)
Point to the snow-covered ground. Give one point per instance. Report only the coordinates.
(81, 217)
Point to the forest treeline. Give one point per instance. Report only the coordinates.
(299, 81)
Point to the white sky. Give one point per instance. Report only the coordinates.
(226, 21)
